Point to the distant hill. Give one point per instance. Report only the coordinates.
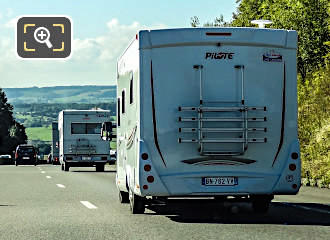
(61, 94)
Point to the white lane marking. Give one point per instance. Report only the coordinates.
(88, 205)
(43, 172)
(60, 185)
(307, 208)
(49, 177)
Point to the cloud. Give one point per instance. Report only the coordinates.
(9, 12)
(93, 60)
(11, 23)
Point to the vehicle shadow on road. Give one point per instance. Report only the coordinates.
(90, 171)
(210, 211)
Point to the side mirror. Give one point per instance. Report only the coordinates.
(107, 131)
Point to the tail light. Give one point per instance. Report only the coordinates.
(292, 166)
(147, 167)
(144, 156)
(150, 179)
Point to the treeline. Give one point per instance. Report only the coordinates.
(43, 114)
(310, 18)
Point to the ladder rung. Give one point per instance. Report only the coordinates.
(220, 130)
(195, 119)
(228, 140)
(220, 109)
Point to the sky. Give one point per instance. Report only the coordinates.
(101, 31)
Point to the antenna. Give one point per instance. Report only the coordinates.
(261, 23)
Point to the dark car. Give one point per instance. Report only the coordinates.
(26, 154)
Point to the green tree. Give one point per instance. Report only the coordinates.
(310, 18)
(11, 132)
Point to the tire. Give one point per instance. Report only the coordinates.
(123, 197)
(220, 198)
(260, 204)
(66, 167)
(137, 205)
(99, 168)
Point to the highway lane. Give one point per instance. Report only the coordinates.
(45, 203)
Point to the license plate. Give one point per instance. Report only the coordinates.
(86, 158)
(219, 181)
(26, 158)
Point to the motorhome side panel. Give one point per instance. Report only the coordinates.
(128, 118)
(60, 132)
(55, 140)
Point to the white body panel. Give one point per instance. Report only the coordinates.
(82, 148)
(261, 63)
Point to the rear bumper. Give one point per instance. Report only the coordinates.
(191, 185)
(30, 161)
(85, 163)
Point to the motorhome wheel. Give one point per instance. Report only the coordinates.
(123, 197)
(136, 203)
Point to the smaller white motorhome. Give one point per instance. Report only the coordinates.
(79, 139)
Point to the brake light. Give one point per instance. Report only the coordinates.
(150, 179)
(147, 167)
(218, 34)
(144, 156)
(292, 167)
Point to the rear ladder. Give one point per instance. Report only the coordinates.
(241, 122)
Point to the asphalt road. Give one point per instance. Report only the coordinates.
(45, 203)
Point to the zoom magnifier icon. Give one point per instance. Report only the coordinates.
(42, 35)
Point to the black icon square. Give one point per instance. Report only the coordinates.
(44, 37)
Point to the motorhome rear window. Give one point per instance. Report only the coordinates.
(86, 128)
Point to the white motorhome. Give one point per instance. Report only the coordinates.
(79, 139)
(208, 112)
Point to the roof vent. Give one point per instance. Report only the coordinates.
(261, 23)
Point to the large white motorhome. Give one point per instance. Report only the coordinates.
(79, 137)
(208, 112)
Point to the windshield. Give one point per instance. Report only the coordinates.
(26, 150)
